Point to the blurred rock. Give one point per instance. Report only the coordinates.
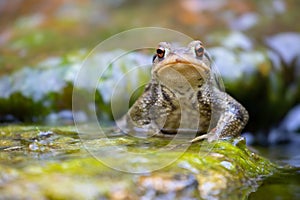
(286, 46)
(32, 93)
(291, 122)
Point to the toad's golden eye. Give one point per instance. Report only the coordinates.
(160, 52)
(199, 50)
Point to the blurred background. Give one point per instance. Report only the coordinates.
(254, 44)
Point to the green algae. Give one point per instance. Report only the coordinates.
(53, 163)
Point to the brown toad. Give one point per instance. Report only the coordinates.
(182, 98)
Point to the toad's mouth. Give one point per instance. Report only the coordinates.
(181, 73)
(179, 62)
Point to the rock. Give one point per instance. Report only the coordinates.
(286, 46)
(291, 122)
(59, 167)
(32, 93)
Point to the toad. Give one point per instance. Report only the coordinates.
(183, 97)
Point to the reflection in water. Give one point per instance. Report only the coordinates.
(282, 185)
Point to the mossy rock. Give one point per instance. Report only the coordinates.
(52, 163)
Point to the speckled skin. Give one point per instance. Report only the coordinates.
(181, 98)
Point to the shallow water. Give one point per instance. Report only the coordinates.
(286, 183)
(282, 185)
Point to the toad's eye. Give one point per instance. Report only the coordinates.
(199, 50)
(160, 52)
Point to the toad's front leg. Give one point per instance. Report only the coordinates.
(232, 118)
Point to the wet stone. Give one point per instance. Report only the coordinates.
(51, 160)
